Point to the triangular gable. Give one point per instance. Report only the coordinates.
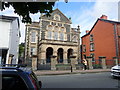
(63, 18)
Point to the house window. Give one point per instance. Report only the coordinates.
(62, 29)
(33, 36)
(84, 48)
(59, 24)
(55, 35)
(56, 28)
(91, 37)
(84, 56)
(50, 27)
(93, 57)
(33, 51)
(62, 36)
(57, 17)
(91, 46)
(49, 34)
(74, 39)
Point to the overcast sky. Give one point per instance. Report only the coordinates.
(82, 13)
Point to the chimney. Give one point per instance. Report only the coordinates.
(103, 17)
(87, 31)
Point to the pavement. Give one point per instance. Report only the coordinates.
(63, 72)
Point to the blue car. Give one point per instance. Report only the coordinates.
(18, 77)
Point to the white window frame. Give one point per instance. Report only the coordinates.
(56, 28)
(91, 46)
(62, 29)
(55, 35)
(33, 51)
(49, 27)
(33, 37)
(49, 34)
(91, 37)
(84, 48)
(62, 36)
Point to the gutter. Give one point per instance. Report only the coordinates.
(116, 42)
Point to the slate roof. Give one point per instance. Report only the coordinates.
(105, 20)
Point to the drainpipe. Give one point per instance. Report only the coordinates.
(116, 42)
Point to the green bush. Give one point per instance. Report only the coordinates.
(95, 66)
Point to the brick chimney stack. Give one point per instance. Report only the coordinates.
(103, 17)
(87, 31)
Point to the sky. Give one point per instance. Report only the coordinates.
(82, 12)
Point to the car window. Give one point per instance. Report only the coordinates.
(34, 80)
(10, 82)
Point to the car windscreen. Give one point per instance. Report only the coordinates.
(13, 82)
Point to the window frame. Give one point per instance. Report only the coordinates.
(49, 27)
(49, 34)
(61, 36)
(92, 47)
(75, 38)
(33, 37)
(32, 51)
(91, 38)
(84, 48)
(93, 57)
(55, 35)
(56, 15)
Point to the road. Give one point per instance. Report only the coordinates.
(91, 80)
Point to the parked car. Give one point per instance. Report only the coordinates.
(20, 77)
(115, 71)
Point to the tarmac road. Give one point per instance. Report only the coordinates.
(89, 80)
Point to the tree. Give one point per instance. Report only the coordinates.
(21, 49)
(25, 8)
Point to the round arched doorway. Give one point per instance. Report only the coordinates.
(69, 53)
(49, 53)
(60, 55)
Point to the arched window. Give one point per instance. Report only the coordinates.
(56, 28)
(62, 28)
(50, 27)
(74, 39)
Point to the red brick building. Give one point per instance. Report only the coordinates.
(102, 40)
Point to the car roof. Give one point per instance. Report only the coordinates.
(17, 68)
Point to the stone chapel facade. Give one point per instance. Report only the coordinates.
(52, 36)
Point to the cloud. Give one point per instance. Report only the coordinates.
(88, 16)
(83, 16)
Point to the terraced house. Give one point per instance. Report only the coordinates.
(103, 40)
(52, 37)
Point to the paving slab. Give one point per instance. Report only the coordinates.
(62, 72)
